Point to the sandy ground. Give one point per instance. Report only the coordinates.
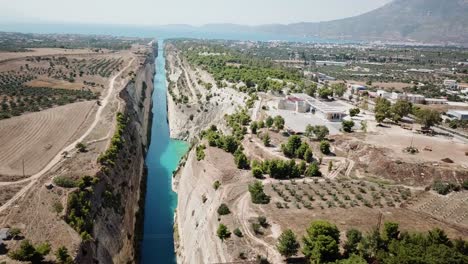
(396, 139)
(36, 138)
(32, 207)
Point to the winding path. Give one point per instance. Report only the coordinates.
(58, 158)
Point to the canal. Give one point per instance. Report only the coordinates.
(162, 159)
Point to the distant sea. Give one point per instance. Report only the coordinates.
(161, 32)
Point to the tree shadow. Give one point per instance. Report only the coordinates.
(3, 249)
(296, 260)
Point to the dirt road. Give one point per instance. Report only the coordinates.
(70, 148)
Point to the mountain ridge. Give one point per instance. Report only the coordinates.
(422, 21)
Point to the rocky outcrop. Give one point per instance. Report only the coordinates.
(117, 228)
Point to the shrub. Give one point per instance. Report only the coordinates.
(256, 227)
(62, 256)
(262, 221)
(223, 209)
(216, 185)
(223, 232)
(81, 147)
(443, 188)
(238, 232)
(325, 147)
(266, 140)
(65, 182)
(347, 126)
(257, 172)
(354, 111)
(29, 252)
(200, 152)
(465, 185)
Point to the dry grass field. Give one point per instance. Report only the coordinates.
(41, 52)
(37, 137)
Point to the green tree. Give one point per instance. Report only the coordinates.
(223, 232)
(266, 140)
(309, 131)
(254, 127)
(229, 144)
(353, 238)
(325, 92)
(257, 194)
(321, 242)
(257, 172)
(325, 147)
(287, 245)
(321, 132)
(391, 231)
(354, 111)
(289, 149)
(279, 122)
(382, 109)
(313, 170)
(269, 122)
(223, 209)
(401, 109)
(302, 167)
(301, 150)
(241, 160)
(308, 156)
(428, 117)
(339, 89)
(347, 126)
(62, 256)
(27, 252)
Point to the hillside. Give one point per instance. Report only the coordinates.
(427, 21)
(401, 20)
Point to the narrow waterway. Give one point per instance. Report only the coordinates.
(162, 159)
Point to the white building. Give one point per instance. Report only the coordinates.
(356, 87)
(292, 103)
(384, 94)
(412, 98)
(451, 84)
(332, 63)
(330, 111)
(432, 101)
(458, 114)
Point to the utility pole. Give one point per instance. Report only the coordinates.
(23, 169)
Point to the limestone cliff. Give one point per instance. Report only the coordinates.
(117, 228)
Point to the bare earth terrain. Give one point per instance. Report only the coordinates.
(35, 138)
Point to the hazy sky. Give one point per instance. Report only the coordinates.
(196, 12)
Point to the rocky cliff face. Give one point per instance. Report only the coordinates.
(118, 227)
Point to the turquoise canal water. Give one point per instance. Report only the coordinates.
(162, 159)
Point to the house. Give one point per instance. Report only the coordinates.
(412, 98)
(384, 94)
(451, 84)
(331, 63)
(330, 111)
(356, 88)
(292, 103)
(458, 114)
(433, 101)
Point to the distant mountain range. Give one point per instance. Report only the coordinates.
(421, 21)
